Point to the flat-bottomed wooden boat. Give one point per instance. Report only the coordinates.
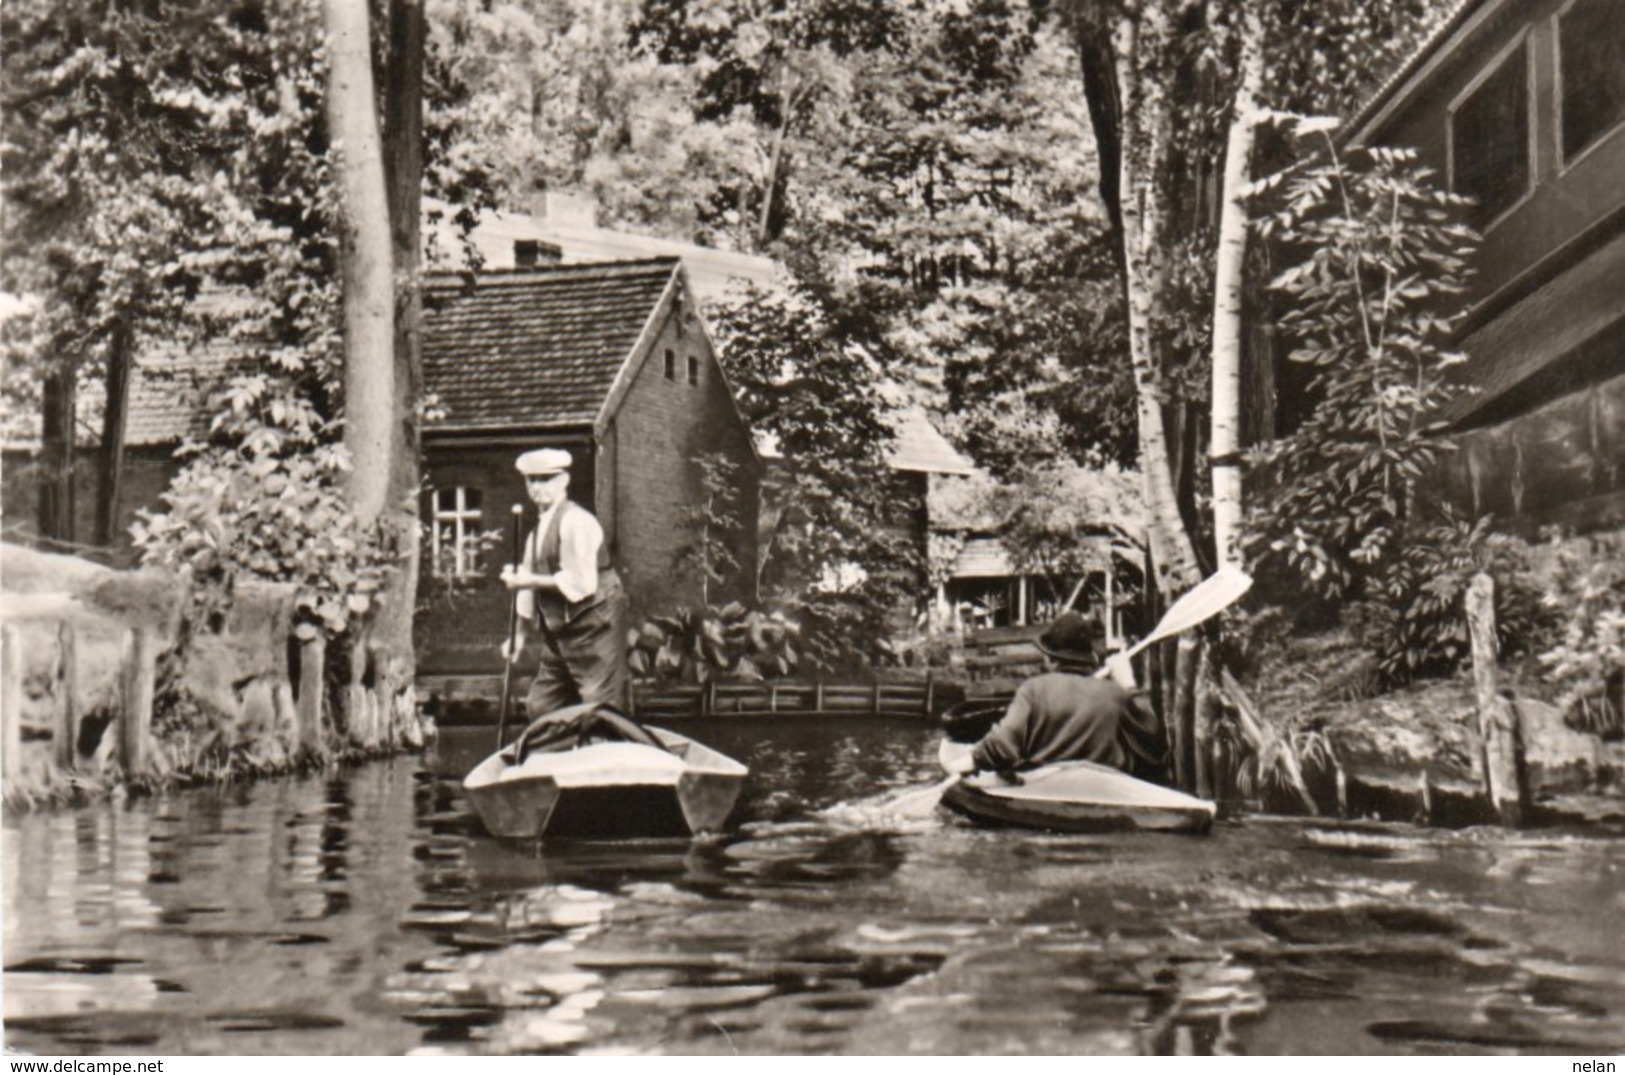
(669, 785)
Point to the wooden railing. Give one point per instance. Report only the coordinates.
(472, 698)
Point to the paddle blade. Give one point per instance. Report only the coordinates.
(917, 804)
(1205, 600)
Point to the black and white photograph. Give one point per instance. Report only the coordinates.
(812, 528)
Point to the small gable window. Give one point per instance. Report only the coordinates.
(1489, 138)
(1591, 59)
(671, 364)
(693, 369)
(457, 537)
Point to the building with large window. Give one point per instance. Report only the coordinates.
(1520, 104)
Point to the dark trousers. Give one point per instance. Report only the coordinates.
(584, 657)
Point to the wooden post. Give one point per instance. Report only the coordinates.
(355, 694)
(138, 679)
(1182, 710)
(1497, 728)
(65, 733)
(818, 696)
(312, 672)
(11, 704)
(1207, 706)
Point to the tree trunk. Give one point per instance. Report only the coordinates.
(114, 421)
(1227, 296)
(1497, 724)
(1146, 137)
(1098, 62)
(365, 269)
(403, 110)
(59, 404)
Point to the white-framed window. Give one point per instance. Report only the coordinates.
(1491, 154)
(455, 549)
(1591, 74)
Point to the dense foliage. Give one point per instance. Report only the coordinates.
(263, 498)
(832, 554)
(1585, 594)
(1370, 303)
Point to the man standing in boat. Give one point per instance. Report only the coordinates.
(1069, 714)
(569, 594)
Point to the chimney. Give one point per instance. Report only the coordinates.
(529, 253)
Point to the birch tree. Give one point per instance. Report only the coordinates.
(366, 262)
(1229, 272)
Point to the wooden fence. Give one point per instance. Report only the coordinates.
(472, 698)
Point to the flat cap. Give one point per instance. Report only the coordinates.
(543, 461)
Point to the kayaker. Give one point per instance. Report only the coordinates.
(1069, 714)
(568, 594)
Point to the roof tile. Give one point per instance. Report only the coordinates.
(535, 347)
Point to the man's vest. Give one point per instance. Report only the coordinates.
(552, 609)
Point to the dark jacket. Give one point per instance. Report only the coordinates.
(1063, 716)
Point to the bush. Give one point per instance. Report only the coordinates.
(1413, 617)
(694, 646)
(1586, 594)
(263, 499)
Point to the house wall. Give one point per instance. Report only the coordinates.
(1540, 441)
(461, 622)
(664, 425)
(147, 473)
(1566, 199)
(1560, 463)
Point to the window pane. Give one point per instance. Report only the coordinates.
(1490, 140)
(1591, 36)
(671, 364)
(693, 370)
(445, 500)
(471, 500)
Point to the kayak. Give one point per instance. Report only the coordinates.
(589, 772)
(1074, 796)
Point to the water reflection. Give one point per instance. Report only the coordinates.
(366, 912)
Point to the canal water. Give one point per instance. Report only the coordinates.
(366, 912)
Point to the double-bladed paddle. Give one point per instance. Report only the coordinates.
(1202, 602)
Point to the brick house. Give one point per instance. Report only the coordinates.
(1521, 105)
(608, 360)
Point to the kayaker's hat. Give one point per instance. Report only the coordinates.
(1071, 638)
(543, 462)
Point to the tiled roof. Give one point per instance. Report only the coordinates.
(168, 392)
(987, 558)
(537, 347)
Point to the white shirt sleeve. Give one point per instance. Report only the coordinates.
(580, 536)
